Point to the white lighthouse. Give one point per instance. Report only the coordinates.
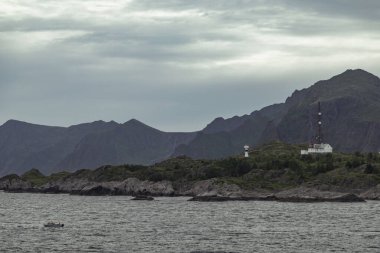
(246, 149)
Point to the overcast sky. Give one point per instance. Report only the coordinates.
(175, 65)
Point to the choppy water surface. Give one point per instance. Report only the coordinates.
(117, 224)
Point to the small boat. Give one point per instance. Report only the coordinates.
(53, 225)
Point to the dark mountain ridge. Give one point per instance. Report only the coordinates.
(24, 145)
(350, 104)
(132, 142)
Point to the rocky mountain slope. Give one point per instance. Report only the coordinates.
(351, 119)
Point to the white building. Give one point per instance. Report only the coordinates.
(318, 149)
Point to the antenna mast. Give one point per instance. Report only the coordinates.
(319, 147)
(319, 136)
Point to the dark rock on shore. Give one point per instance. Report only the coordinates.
(210, 198)
(304, 199)
(300, 194)
(372, 194)
(303, 194)
(82, 186)
(225, 198)
(52, 190)
(344, 198)
(206, 190)
(97, 191)
(143, 197)
(13, 183)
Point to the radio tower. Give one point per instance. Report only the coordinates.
(318, 146)
(319, 134)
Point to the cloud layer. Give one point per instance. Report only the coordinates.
(175, 65)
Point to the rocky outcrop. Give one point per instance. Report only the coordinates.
(206, 190)
(215, 198)
(302, 194)
(136, 186)
(372, 194)
(13, 183)
(67, 185)
(211, 198)
(209, 191)
(143, 197)
(212, 190)
(130, 186)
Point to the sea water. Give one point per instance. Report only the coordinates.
(173, 224)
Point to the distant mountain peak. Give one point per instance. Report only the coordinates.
(355, 74)
(133, 122)
(99, 121)
(102, 122)
(356, 71)
(220, 124)
(18, 123)
(14, 122)
(136, 124)
(350, 83)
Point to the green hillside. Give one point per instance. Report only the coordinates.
(273, 166)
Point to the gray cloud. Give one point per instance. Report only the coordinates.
(173, 64)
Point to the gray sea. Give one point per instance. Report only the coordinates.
(118, 224)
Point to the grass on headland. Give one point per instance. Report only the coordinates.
(273, 166)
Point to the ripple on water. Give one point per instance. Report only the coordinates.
(117, 224)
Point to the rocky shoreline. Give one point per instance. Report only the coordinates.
(205, 190)
(349, 197)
